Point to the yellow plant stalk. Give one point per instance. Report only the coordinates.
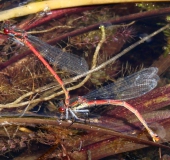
(35, 7)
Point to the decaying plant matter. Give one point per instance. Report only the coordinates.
(30, 97)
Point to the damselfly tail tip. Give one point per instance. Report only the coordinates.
(154, 136)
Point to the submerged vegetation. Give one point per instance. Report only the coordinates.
(31, 101)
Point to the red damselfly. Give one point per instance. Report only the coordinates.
(65, 61)
(117, 93)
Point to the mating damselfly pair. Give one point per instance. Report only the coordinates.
(117, 93)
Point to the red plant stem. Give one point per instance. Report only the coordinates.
(106, 148)
(55, 14)
(131, 17)
(128, 18)
(119, 143)
(90, 127)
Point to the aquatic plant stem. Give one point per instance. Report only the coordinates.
(114, 21)
(89, 127)
(94, 61)
(128, 18)
(54, 14)
(120, 54)
(35, 7)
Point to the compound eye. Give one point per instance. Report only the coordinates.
(6, 31)
(61, 109)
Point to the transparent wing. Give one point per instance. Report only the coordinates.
(65, 61)
(129, 87)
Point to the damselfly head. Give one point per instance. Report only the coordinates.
(6, 31)
(61, 109)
